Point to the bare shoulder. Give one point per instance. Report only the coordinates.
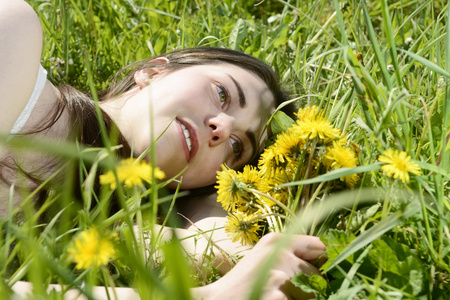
(20, 54)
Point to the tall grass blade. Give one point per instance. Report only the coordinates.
(387, 24)
(430, 65)
(344, 39)
(336, 174)
(376, 47)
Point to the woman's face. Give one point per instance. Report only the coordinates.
(210, 115)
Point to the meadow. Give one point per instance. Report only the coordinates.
(374, 184)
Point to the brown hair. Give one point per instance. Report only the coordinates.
(82, 111)
(183, 58)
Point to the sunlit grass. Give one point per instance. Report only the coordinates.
(379, 70)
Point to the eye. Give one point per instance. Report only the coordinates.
(238, 148)
(223, 94)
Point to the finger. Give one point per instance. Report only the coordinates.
(292, 265)
(274, 295)
(307, 247)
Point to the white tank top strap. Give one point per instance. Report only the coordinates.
(26, 112)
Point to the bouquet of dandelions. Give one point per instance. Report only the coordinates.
(260, 199)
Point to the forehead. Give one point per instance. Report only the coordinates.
(260, 101)
(254, 88)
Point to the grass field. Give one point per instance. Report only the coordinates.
(379, 71)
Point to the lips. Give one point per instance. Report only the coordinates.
(189, 139)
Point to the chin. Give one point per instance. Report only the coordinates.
(186, 185)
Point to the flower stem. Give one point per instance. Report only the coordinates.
(286, 209)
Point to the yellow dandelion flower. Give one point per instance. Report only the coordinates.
(291, 167)
(250, 176)
(280, 156)
(266, 160)
(289, 142)
(282, 177)
(399, 165)
(309, 113)
(250, 205)
(92, 249)
(250, 201)
(319, 128)
(338, 156)
(271, 187)
(351, 180)
(234, 189)
(271, 160)
(131, 172)
(343, 142)
(311, 124)
(229, 188)
(243, 228)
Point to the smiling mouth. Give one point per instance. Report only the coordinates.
(186, 135)
(191, 146)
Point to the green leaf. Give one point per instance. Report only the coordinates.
(238, 35)
(281, 36)
(340, 22)
(310, 284)
(363, 215)
(336, 242)
(416, 279)
(384, 257)
(372, 234)
(280, 122)
(399, 264)
(347, 293)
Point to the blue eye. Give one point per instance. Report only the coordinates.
(237, 148)
(223, 95)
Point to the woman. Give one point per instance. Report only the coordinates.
(212, 105)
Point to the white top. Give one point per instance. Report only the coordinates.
(26, 112)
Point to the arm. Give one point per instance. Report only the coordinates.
(24, 289)
(203, 233)
(297, 256)
(205, 218)
(20, 53)
(207, 236)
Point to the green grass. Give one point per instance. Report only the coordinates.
(380, 70)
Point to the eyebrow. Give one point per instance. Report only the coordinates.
(242, 101)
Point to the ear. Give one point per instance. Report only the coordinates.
(142, 77)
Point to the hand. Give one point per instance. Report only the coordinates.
(299, 256)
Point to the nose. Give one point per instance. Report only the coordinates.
(220, 126)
